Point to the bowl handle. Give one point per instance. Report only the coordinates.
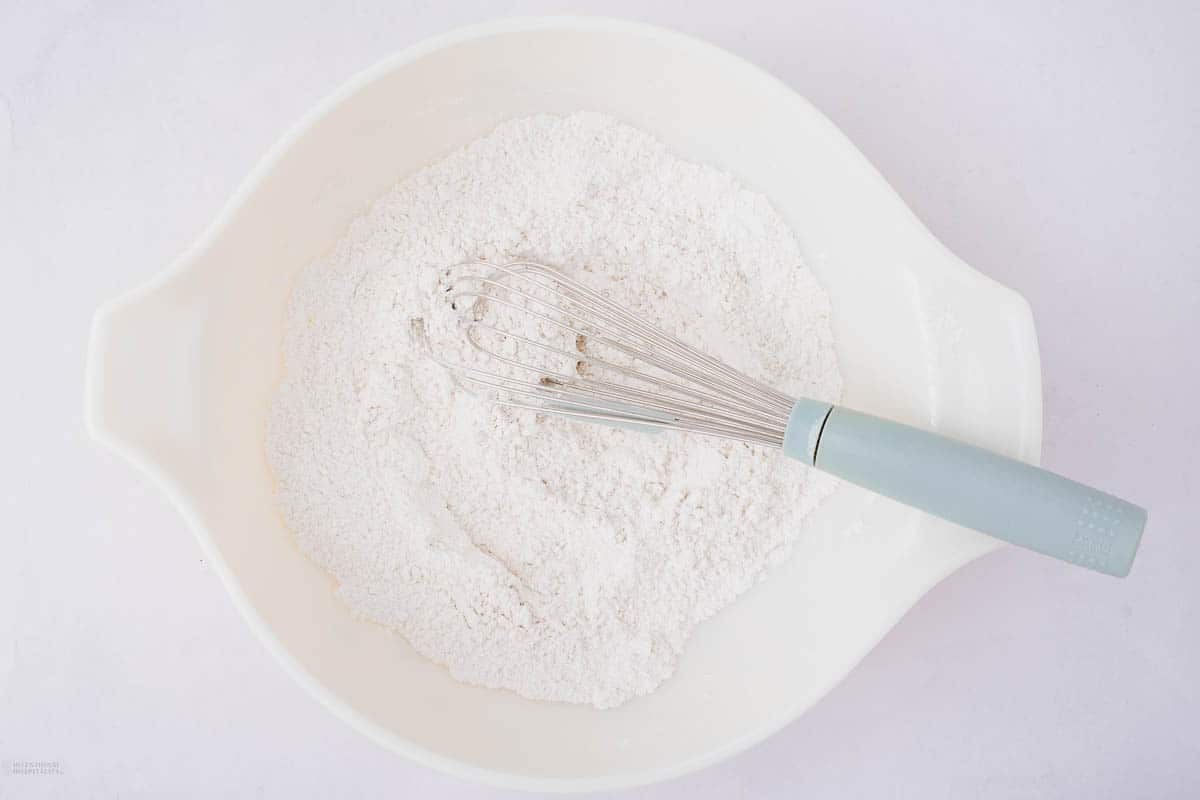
(143, 358)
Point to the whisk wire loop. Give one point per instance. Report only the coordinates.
(513, 312)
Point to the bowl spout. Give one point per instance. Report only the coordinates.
(141, 371)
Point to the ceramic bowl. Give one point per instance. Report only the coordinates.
(181, 372)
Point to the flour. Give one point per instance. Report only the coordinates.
(561, 560)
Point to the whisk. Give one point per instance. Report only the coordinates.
(541, 340)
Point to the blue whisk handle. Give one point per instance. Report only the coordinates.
(999, 496)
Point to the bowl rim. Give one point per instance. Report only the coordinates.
(180, 498)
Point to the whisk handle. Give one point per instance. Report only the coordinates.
(999, 496)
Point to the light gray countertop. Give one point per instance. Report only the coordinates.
(1055, 147)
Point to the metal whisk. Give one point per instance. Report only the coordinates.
(543, 341)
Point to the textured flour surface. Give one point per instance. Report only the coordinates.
(561, 560)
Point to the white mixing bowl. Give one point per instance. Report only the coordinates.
(181, 372)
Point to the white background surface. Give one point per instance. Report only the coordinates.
(1054, 146)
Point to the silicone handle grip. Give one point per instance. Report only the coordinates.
(999, 496)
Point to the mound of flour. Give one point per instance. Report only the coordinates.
(561, 560)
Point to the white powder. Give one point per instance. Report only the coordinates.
(564, 561)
